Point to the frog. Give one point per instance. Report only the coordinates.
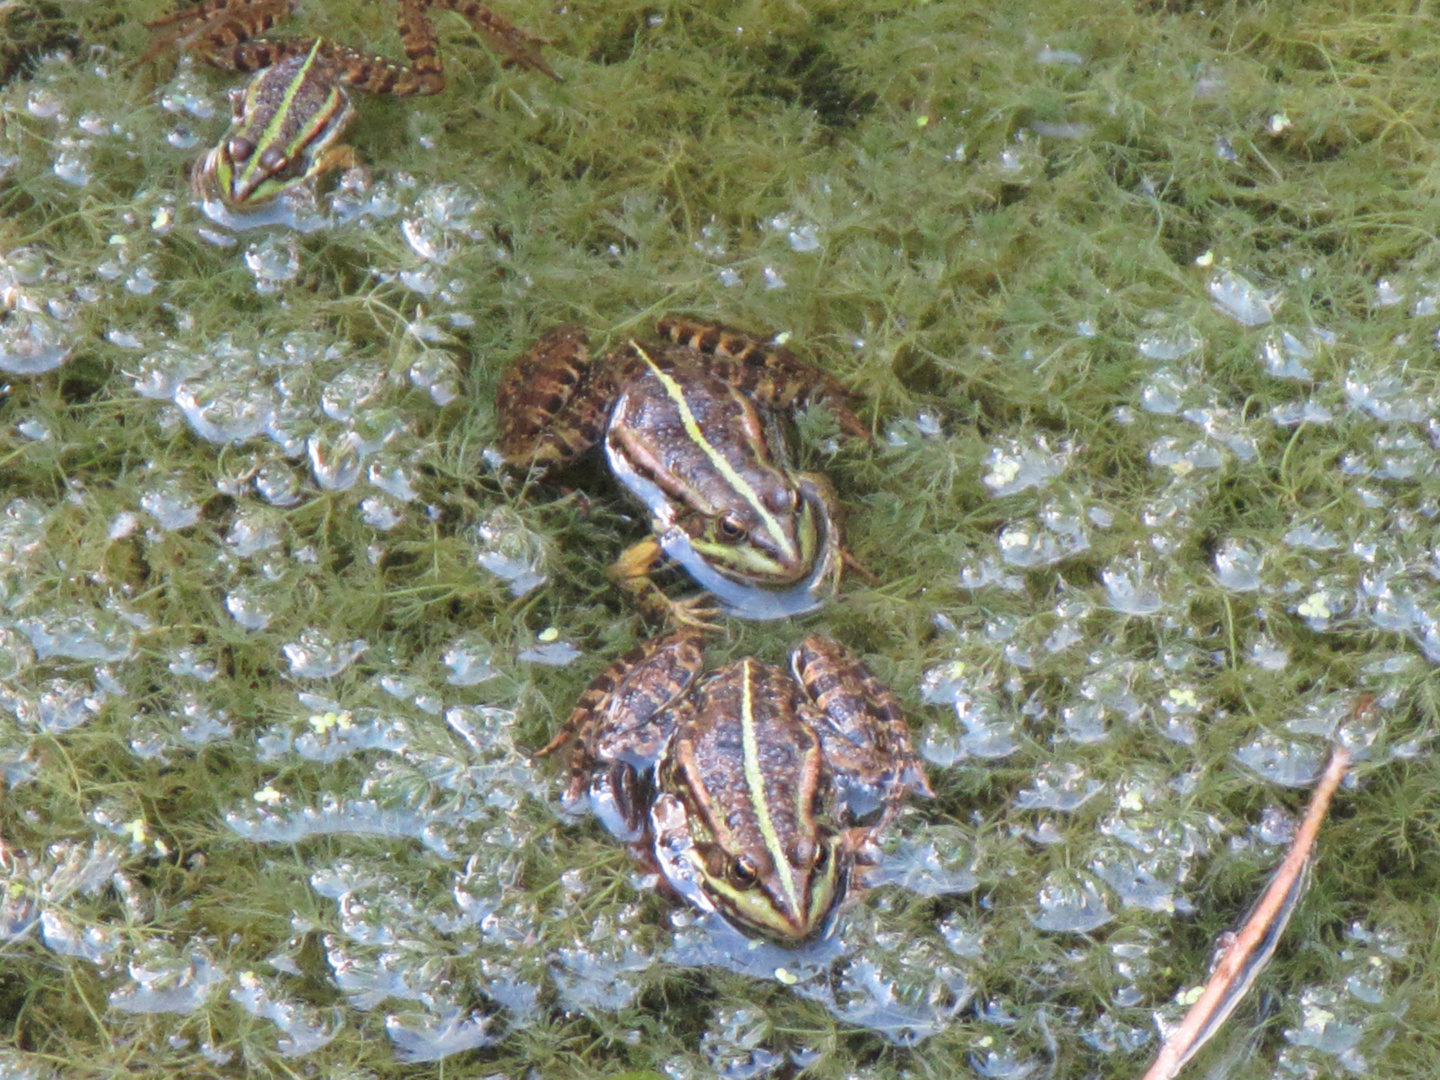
(690, 428)
(756, 791)
(287, 120)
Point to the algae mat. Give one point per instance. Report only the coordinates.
(1142, 305)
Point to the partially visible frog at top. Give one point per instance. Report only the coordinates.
(756, 792)
(287, 121)
(690, 428)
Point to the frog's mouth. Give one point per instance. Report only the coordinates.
(747, 601)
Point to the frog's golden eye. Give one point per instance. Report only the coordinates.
(743, 872)
(240, 148)
(273, 160)
(731, 529)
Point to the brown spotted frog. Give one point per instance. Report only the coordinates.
(690, 428)
(754, 789)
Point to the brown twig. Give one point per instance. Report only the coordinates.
(1248, 949)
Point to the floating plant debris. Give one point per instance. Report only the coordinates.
(1246, 952)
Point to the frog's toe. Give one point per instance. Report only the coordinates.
(694, 612)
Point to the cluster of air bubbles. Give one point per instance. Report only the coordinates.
(905, 431)
(435, 372)
(302, 1028)
(1240, 299)
(802, 236)
(1168, 344)
(442, 221)
(550, 650)
(316, 656)
(165, 979)
(1288, 354)
(36, 313)
(394, 947)
(736, 1046)
(987, 728)
(927, 861)
(274, 261)
(41, 897)
(1016, 466)
(510, 551)
(346, 427)
(469, 661)
(1055, 534)
(602, 971)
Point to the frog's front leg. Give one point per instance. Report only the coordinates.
(631, 572)
(336, 157)
(864, 735)
(622, 719)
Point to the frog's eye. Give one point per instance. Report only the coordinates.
(240, 148)
(743, 872)
(273, 160)
(731, 529)
(821, 857)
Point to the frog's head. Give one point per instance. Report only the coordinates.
(771, 535)
(787, 897)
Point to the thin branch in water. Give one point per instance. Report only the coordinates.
(1246, 952)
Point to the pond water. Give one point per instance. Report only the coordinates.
(1143, 307)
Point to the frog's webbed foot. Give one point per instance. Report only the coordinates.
(631, 572)
(769, 373)
(693, 612)
(513, 44)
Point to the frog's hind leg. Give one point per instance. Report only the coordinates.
(513, 44)
(246, 57)
(423, 72)
(622, 715)
(769, 373)
(550, 409)
(212, 29)
(865, 734)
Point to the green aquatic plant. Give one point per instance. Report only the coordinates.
(1142, 306)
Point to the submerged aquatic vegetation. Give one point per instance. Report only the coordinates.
(1143, 304)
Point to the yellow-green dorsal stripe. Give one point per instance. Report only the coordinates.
(277, 122)
(692, 431)
(755, 782)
